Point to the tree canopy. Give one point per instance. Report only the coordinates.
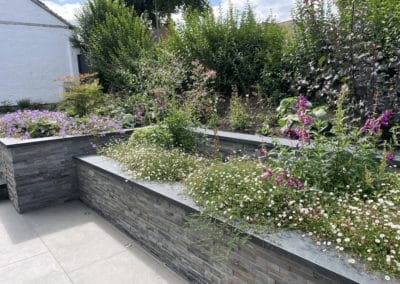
(165, 8)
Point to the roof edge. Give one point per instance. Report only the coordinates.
(54, 14)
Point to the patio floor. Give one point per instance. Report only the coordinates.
(70, 243)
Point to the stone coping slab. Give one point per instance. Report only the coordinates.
(288, 244)
(18, 142)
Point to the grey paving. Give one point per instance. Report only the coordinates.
(70, 243)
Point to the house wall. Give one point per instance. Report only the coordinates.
(34, 51)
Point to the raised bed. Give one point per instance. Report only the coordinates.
(155, 214)
(232, 142)
(39, 172)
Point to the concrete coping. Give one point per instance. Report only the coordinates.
(289, 244)
(18, 142)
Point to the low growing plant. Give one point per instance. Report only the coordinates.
(35, 123)
(153, 162)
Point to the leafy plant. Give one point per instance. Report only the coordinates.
(238, 115)
(81, 98)
(111, 37)
(290, 119)
(175, 131)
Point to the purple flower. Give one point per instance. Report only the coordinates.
(139, 115)
(367, 126)
(279, 180)
(373, 126)
(19, 124)
(305, 119)
(303, 135)
(262, 152)
(302, 104)
(267, 173)
(385, 117)
(389, 156)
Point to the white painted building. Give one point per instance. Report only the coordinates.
(35, 50)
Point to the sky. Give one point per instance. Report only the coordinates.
(280, 9)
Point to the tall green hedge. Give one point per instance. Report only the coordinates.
(236, 46)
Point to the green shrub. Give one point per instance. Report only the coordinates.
(29, 104)
(175, 131)
(179, 123)
(357, 46)
(153, 135)
(81, 98)
(235, 46)
(151, 162)
(239, 118)
(111, 37)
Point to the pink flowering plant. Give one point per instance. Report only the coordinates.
(34, 124)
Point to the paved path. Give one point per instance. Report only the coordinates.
(70, 243)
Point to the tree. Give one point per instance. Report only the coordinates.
(112, 37)
(165, 8)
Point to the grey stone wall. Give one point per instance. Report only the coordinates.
(232, 142)
(40, 172)
(155, 213)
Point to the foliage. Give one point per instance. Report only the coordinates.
(164, 8)
(239, 118)
(174, 132)
(81, 98)
(236, 47)
(111, 37)
(289, 118)
(34, 124)
(157, 84)
(152, 162)
(200, 96)
(359, 46)
(153, 135)
(346, 161)
(28, 104)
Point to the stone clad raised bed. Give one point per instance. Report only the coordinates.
(155, 214)
(39, 172)
(232, 142)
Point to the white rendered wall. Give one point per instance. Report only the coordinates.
(33, 57)
(26, 11)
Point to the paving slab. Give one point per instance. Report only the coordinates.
(70, 243)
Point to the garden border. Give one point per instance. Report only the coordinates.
(154, 214)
